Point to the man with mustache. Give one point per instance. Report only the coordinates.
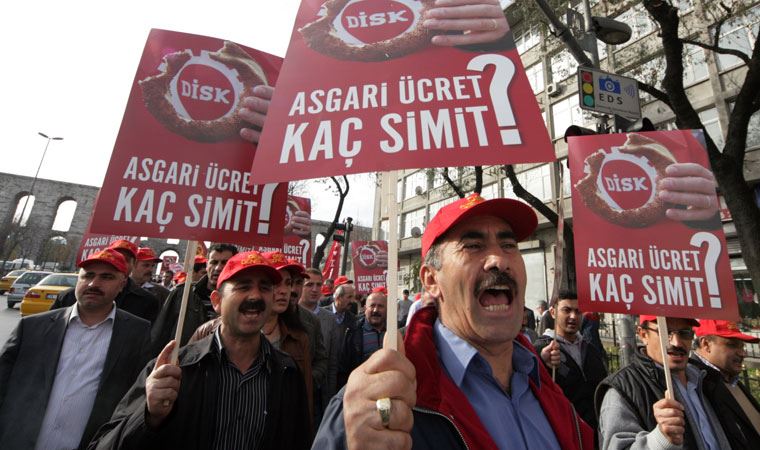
(464, 377)
(63, 372)
(365, 336)
(633, 410)
(720, 352)
(142, 275)
(579, 364)
(231, 389)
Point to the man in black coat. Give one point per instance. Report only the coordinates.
(63, 372)
(132, 298)
(720, 353)
(231, 389)
(579, 364)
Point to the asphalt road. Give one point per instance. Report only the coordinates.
(8, 320)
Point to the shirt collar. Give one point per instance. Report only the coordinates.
(265, 348)
(75, 315)
(457, 354)
(338, 315)
(577, 342)
(733, 381)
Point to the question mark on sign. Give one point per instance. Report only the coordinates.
(502, 77)
(711, 261)
(306, 244)
(266, 207)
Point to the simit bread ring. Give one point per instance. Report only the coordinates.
(657, 156)
(328, 35)
(162, 100)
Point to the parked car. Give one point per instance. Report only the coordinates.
(41, 296)
(22, 283)
(7, 281)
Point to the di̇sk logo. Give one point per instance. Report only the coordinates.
(368, 256)
(370, 21)
(204, 89)
(626, 181)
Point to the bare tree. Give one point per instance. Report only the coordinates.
(319, 252)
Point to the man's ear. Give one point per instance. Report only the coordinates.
(553, 312)
(216, 301)
(429, 279)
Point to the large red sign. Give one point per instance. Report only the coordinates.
(631, 257)
(363, 89)
(370, 260)
(297, 239)
(179, 167)
(94, 242)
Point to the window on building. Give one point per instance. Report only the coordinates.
(537, 181)
(710, 120)
(23, 210)
(400, 189)
(438, 180)
(753, 129)
(563, 66)
(566, 181)
(694, 64)
(528, 38)
(414, 181)
(384, 230)
(738, 33)
(639, 21)
(490, 192)
(536, 77)
(412, 219)
(433, 208)
(64, 216)
(566, 113)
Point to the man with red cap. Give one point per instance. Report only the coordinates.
(142, 275)
(231, 389)
(199, 268)
(720, 352)
(63, 372)
(631, 404)
(464, 377)
(132, 298)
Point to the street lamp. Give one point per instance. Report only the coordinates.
(34, 181)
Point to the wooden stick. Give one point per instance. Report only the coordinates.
(662, 330)
(188, 266)
(391, 326)
(559, 254)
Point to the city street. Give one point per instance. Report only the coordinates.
(8, 320)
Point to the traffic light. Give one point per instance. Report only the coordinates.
(587, 86)
(575, 130)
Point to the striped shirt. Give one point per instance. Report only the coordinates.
(77, 378)
(372, 340)
(242, 399)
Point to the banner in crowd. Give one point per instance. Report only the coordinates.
(331, 269)
(179, 167)
(297, 239)
(630, 257)
(363, 89)
(370, 260)
(168, 262)
(95, 242)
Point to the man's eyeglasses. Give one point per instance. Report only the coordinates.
(686, 334)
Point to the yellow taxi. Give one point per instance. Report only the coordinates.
(7, 281)
(41, 296)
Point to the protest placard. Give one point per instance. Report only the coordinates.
(297, 238)
(631, 257)
(370, 260)
(95, 242)
(363, 89)
(179, 168)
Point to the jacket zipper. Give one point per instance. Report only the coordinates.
(436, 413)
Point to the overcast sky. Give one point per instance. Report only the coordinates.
(68, 68)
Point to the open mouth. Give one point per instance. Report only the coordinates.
(496, 298)
(252, 308)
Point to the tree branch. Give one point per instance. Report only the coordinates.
(451, 183)
(478, 179)
(726, 51)
(656, 93)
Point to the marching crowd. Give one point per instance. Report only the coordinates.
(270, 359)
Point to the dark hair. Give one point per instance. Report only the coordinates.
(313, 271)
(169, 271)
(567, 294)
(291, 319)
(198, 266)
(406, 291)
(223, 248)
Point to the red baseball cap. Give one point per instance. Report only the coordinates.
(123, 244)
(147, 254)
(380, 289)
(724, 328)
(280, 262)
(180, 277)
(247, 261)
(325, 290)
(519, 215)
(200, 259)
(301, 269)
(342, 280)
(644, 318)
(418, 296)
(108, 256)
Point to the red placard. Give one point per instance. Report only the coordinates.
(179, 167)
(630, 258)
(94, 242)
(362, 89)
(297, 239)
(370, 259)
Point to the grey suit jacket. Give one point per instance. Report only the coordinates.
(29, 361)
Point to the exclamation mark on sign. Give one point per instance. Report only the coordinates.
(266, 207)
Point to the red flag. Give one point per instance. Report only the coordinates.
(332, 263)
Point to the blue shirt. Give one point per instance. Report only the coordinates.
(694, 403)
(514, 420)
